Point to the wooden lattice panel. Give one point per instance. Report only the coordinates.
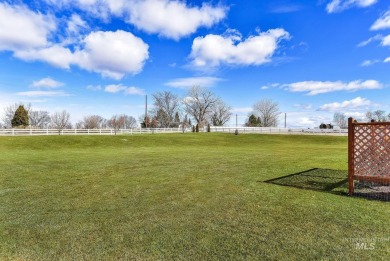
(371, 150)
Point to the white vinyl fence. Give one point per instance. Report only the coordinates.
(272, 130)
(241, 130)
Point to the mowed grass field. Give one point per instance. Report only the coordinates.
(183, 197)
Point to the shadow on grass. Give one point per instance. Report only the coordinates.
(325, 180)
(332, 181)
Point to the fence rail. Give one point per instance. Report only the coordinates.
(241, 130)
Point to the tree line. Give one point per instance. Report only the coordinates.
(200, 107)
(341, 119)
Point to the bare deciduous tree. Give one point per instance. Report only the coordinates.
(129, 122)
(60, 121)
(116, 122)
(377, 115)
(166, 105)
(9, 113)
(39, 119)
(199, 103)
(220, 113)
(340, 120)
(92, 122)
(267, 111)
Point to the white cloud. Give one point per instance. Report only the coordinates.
(318, 87)
(264, 87)
(43, 94)
(172, 19)
(115, 88)
(387, 60)
(339, 5)
(345, 105)
(382, 23)
(215, 50)
(245, 110)
(55, 55)
(94, 87)
(22, 28)
(377, 37)
(355, 115)
(168, 18)
(76, 24)
(303, 106)
(127, 53)
(46, 83)
(386, 41)
(367, 63)
(193, 81)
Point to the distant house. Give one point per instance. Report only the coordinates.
(326, 126)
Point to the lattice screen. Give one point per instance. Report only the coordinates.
(369, 159)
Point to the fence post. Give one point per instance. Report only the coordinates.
(350, 155)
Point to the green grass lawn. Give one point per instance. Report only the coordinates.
(184, 196)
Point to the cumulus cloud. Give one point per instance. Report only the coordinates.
(115, 88)
(46, 83)
(230, 49)
(127, 54)
(345, 105)
(168, 18)
(382, 23)
(387, 60)
(27, 34)
(172, 19)
(22, 28)
(193, 81)
(55, 55)
(340, 5)
(318, 87)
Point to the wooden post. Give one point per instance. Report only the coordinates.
(350, 155)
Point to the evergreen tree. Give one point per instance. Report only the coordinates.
(208, 128)
(197, 128)
(20, 118)
(146, 123)
(177, 119)
(253, 121)
(193, 128)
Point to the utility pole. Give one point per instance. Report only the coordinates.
(146, 111)
(236, 132)
(285, 120)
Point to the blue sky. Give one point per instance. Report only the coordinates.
(102, 56)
